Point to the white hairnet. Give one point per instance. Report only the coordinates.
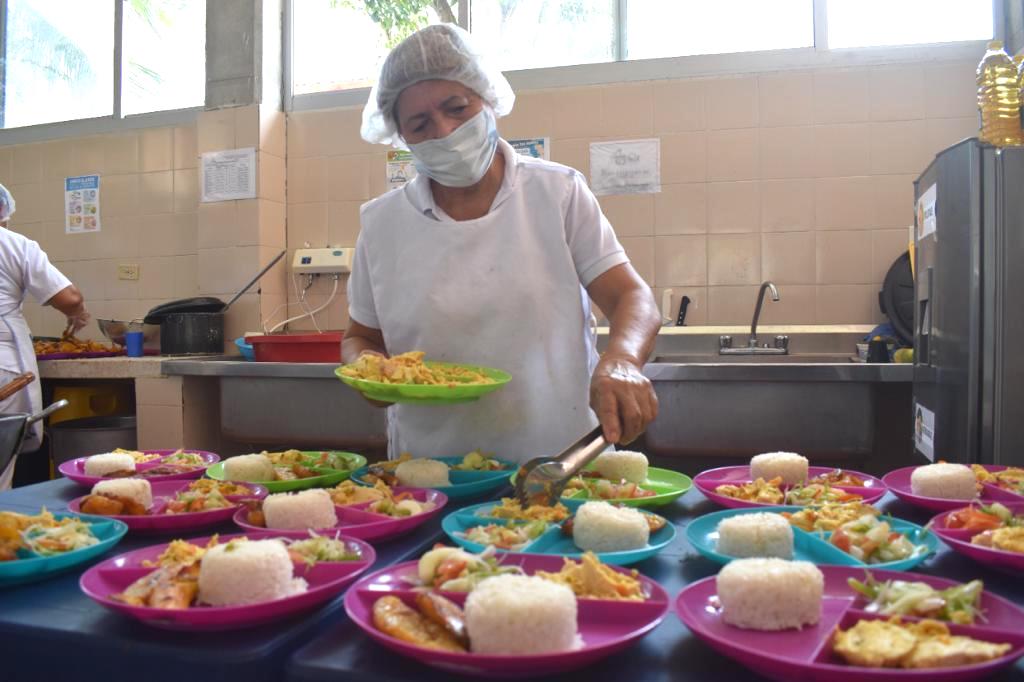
(6, 203)
(437, 52)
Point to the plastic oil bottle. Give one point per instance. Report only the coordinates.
(999, 97)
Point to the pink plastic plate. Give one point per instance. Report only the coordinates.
(605, 626)
(959, 540)
(706, 481)
(806, 654)
(326, 580)
(74, 469)
(356, 521)
(159, 522)
(898, 482)
(70, 356)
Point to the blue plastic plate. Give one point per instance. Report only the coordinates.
(465, 484)
(702, 533)
(551, 541)
(33, 567)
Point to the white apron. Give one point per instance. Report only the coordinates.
(29, 399)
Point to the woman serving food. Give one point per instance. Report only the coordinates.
(492, 259)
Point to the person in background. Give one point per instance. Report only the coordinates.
(490, 258)
(26, 269)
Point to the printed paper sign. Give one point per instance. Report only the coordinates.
(82, 204)
(228, 175)
(625, 167)
(924, 431)
(926, 213)
(399, 168)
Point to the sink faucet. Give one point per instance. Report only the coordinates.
(765, 286)
(781, 346)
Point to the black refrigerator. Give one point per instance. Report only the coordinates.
(969, 306)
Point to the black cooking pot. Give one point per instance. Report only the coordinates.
(14, 428)
(190, 326)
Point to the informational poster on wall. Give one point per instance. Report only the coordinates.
(228, 175)
(399, 168)
(924, 431)
(926, 213)
(625, 167)
(82, 204)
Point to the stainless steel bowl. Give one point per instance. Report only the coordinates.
(115, 330)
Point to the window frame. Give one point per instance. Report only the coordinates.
(97, 125)
(817, 56)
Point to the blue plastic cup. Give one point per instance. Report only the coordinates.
(133, 344)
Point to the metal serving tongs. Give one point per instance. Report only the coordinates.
(542, 479)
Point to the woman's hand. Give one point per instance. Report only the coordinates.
(78, 321)
(623, 398)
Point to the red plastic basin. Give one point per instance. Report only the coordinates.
(325, 347)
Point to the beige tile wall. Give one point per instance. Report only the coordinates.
(148, 217)
(804, 178)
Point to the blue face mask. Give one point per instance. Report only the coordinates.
(462, 158)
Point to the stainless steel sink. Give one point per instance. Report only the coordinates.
(806, 358)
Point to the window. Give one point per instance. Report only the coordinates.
(58, 58)
(340, 44)
(58, 61)
(164, 55)
(689, 27)
(864, 23)
(344, 42)
(537, 33)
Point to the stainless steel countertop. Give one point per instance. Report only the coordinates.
(709, 371)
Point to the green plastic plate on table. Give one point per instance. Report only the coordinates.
(702, 534)
(327, 478)
(465, 484)
(33, 568)
(669, 485)
(428, 394)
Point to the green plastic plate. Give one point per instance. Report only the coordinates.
(429, 394)
(327, 478)
(669, 485)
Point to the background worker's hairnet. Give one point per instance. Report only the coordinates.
(437, 52)
(6, 203)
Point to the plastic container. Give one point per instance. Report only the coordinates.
(999, 97)
(245, 349)
(325, 347)
(92, 400)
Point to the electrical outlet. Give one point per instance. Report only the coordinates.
(129, 271)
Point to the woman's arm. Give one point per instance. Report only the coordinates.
(620, 394)
(69, 301)
(360, 339)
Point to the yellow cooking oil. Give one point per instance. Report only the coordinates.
(999, 97)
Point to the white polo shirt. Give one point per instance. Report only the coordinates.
(505, 290)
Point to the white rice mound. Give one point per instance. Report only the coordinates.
(108, 463)
(423, 473)
(300, 511)
(600, 527)
(945, 480)
(770, 594)
(789, 465)
(137, 489)
(249, 468)
(761, 534)
(622, 465)
(247, 572)
(521, 615)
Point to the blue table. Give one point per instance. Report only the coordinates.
(669, 653)
(50, 631)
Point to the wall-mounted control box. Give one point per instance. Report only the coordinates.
(323, 261)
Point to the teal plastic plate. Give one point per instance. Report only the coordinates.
(328, 477)
(428, 394)
(465, 484)
(702, 533)
(33, 567)
(551, 541)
